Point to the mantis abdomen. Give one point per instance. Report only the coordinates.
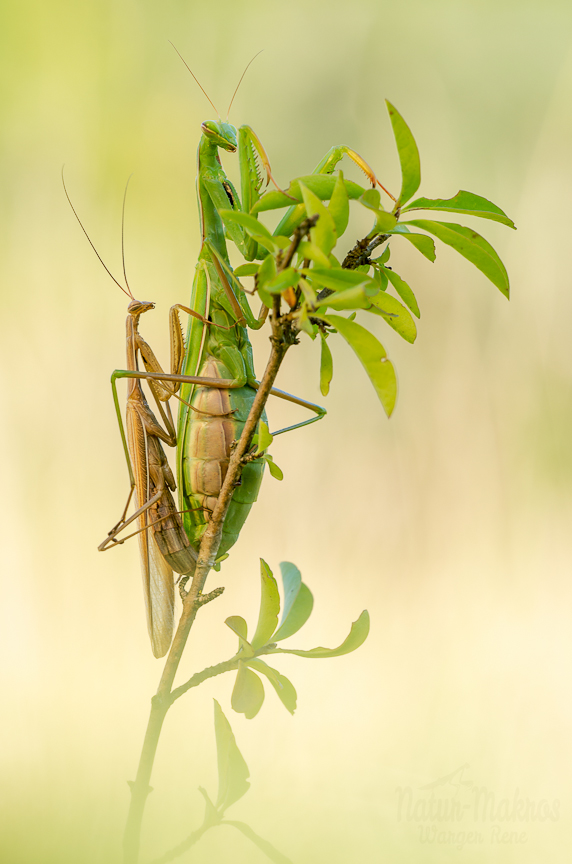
(218, 417)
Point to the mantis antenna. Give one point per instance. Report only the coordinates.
(196, 79)
(106, 268)
(123, 234)
(240, 82)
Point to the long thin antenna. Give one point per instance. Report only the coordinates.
(106, 268)
(123, 234)
(240, 82)
(195, 77)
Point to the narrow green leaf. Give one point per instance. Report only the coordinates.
(471, 246)
(384, 257)
(313, 253)
(305, 324)
(308, 292)
(403, 290)
(274, 200)
(287, 278)
(358, 297)
(384, 221)
(463, 202)
(238, 625)
(373, 357)
(326, 367)
(248, 692)
(266, 298)
(267, 272)
(339, 208)
(380, 276)
(276, 472)
(265, 439)
(233, 771)
(408, 155)
(269, 607)
(247, 270)
(324, 232)
(284, 688)
(298, 602)
(396, 315)
(422, 243)
(252, 226)
(323, 186)
(337, 280)
(273, 854)
(371, 199)
(357, 636)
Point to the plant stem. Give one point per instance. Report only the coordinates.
(281, 340)
(283, 336)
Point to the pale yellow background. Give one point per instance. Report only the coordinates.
(450, 523)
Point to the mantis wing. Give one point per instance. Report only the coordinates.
(158, 582)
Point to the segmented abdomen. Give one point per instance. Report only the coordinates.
(217, 419)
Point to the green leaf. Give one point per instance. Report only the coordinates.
(233, 771)
(422, 243)
(266, 298)
(269, 607)
(298, 602)
(323, 186)
(308, 292)
(248, 692)
(247, 270)
(396, 315)
(339, 208)
(238, 625)
(357, 636)
(384, 221)
(314, 253)
(463, 202)
(274, 200)
(471, 246)
(252, 226)
(324, 232)
(358, 297)
(284, 688)
(326, 367)
(371, 199)
(264, 437)
(373, 357)
(304, 323)
(403, 290)
(267, 272)
(287, 278)
(276, 472)
(337, 280)
(379, 276)
(273, 854)
(408, 155)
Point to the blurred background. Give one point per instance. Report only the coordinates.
(450, 522)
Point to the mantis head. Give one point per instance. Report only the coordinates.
(221, 134)
(137, 307)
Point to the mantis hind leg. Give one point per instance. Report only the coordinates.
(296, 400)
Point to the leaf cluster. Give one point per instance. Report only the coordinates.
(323, 292)
(248, 692)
